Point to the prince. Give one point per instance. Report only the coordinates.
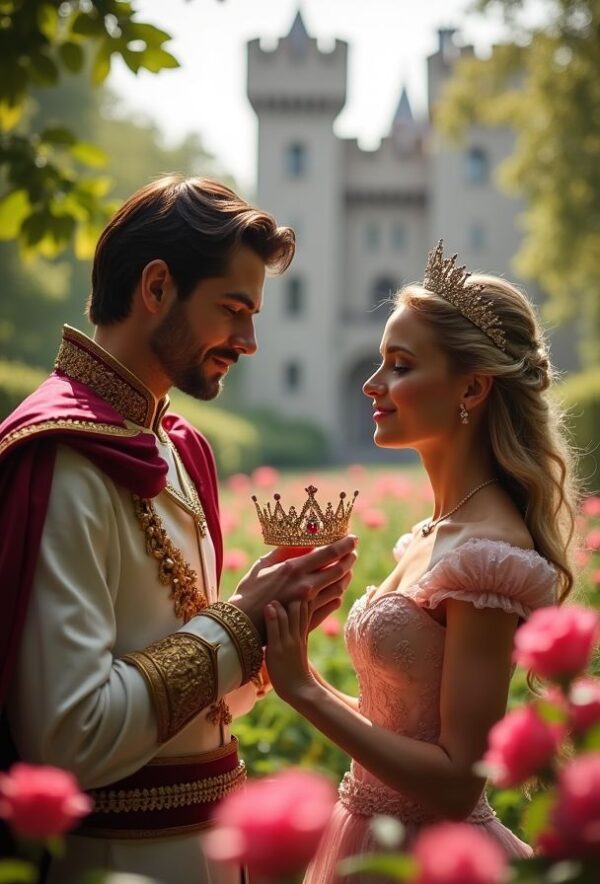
(119, 661)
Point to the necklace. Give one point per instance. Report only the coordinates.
(429, 526)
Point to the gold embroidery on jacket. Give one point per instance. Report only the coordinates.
(76, 362)
(173, 570)
(71, 424)
(181, 673)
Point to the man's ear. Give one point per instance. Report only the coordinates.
(477, 390)
(156, 284)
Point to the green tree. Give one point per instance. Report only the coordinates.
(41, 292)
(545, 85)
(45, 200)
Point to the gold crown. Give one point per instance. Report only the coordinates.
(443, 277)
(310, 527)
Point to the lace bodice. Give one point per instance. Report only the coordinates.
(397, 648)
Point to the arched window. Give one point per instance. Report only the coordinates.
(296, 160)
(477, 166)
(383, 288)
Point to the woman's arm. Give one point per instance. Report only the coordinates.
(474, 690)
(352, 702)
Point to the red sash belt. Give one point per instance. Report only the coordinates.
(168, 796)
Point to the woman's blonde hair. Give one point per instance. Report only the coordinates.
(525, 424)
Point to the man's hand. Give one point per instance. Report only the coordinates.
(318, 577)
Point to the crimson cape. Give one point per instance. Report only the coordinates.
(65, 411)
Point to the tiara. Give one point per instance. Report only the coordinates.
(310, 527)
(443, 277)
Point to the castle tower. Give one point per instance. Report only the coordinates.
(297, 91)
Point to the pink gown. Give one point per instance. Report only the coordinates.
(397, 650)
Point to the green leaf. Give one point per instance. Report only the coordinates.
(88, 25)
(88, 154)
(14, 208)
(44, 69)
(58, 135)
(101, 65)
(536, 814)
(72, 56)
(16, 871)
(395, 865)
(86, 237)
(133, 59)
(48, 20)
(35, 227)
(151, 35)
(591, 739)
(155, 60)
(10, 115)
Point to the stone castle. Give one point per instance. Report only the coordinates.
(364, 221)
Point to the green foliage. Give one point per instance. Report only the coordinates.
(235, 441)
(286, 442)
(16, 382)
(547, 88)
(580, 394)
(45, 200)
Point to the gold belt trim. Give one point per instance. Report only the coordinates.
(168, 797)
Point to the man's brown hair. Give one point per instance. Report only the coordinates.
(193, 224)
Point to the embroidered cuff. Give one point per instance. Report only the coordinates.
(182, 676)
(243, 634)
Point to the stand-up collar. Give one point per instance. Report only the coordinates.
(83, 360)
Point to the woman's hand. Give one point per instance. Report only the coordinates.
(286, 653)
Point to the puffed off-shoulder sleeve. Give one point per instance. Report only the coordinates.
(489, 574)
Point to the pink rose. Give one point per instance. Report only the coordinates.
(584, 704)
(591, 507)
(557, 642)
(519, 745)
(229, 521)
(234, 559)
(456, 853)
(331, 626)
(592, 541)
(239, 482)
(265, 477)
(374, 518)
(273, 825)
(574, 828)
(41, 802)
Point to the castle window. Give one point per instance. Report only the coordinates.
(295, 299)
(383, 289)
(477, 166)
(296, 160)
(372, 235)
(292, 377)
(476, 237)
(398, 236)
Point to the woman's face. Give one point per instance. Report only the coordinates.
(415, 396)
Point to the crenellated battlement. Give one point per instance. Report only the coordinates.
(297, 74)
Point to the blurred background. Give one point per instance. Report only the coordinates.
(373, 127)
